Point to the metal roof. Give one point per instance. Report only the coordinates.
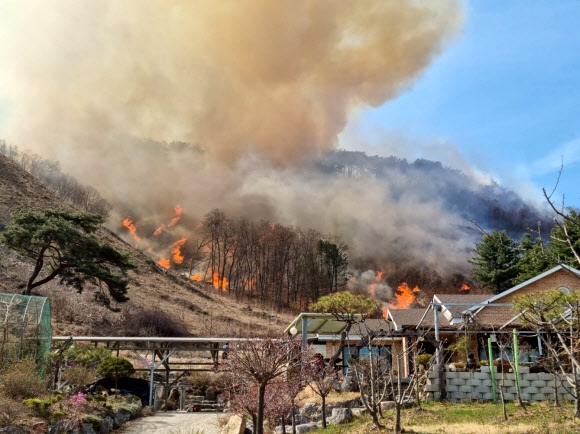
(319, 323)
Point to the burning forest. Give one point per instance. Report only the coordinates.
(185, 122)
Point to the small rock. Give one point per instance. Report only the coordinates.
(359, 411)
(236, 425)
(340, 415)
(106, 425)
(387, 405)
(210, 394)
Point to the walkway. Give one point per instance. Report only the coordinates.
(175, 423)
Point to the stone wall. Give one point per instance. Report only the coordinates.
(477, 386)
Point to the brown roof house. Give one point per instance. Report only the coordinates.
(478, 317)
(467, 325)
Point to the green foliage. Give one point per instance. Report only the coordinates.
(87, 355)
(96, 398)
(534, 259)
(62, 244)
(566, 237)
(58, 415)
(460, 346)
(495, 263)
(423, 359)
(345, 304)
(95, 421)
(41, 406)
(547, 309)
(335, 264)
(115, 368)
(21, 380)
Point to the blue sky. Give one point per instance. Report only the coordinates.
(504, 95)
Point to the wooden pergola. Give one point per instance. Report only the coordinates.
(155, 353)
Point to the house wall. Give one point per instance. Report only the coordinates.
(553, 281)
(500, 315)
(477, 386)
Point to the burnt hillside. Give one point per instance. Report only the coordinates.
(160, 303)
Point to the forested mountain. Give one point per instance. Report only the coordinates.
(491, 206)
(390, 222)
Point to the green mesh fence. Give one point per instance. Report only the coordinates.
(25, 331)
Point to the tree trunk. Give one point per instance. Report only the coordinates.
(397, 425)
(35, 272)
(323, 411)
(259, 428)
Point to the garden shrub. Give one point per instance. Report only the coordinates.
(11, 410)
(21, 381)
(88, 356)
(199, 382)
(115, 368)
(78, 376)
(42, 406)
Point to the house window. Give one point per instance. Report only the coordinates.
(564, 289)
(377, 350)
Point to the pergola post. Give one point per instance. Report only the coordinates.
(152, 366)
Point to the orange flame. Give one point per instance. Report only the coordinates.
(176, 250)
(178, 211)
(196, 277)
(385, 312)
(176, 217)
(465, 287)
(128, 223)
(375, 282)
(404, 296)
(219, 283)
(164, 262)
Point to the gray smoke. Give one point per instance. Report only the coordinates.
(260, 88)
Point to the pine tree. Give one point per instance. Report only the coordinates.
(62, 244)
(496, 261)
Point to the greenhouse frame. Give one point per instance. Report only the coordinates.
(25, 329)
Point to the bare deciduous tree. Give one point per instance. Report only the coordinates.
(321, 377)
(258, 363)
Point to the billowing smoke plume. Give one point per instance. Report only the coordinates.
(259, 87)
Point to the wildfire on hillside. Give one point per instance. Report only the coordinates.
(405, 296)
(128, 223)
(219, 282)
(178, 210)
(176, 250)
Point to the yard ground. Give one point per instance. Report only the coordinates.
(175, 423)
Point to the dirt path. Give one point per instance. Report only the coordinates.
(174, 423)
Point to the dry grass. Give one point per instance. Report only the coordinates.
(309, 396)
(12, 410)
(472, 418)
(160, 304)
(196, 309)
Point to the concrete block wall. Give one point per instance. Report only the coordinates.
(477, 386)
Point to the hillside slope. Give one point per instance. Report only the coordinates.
(160, 303)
